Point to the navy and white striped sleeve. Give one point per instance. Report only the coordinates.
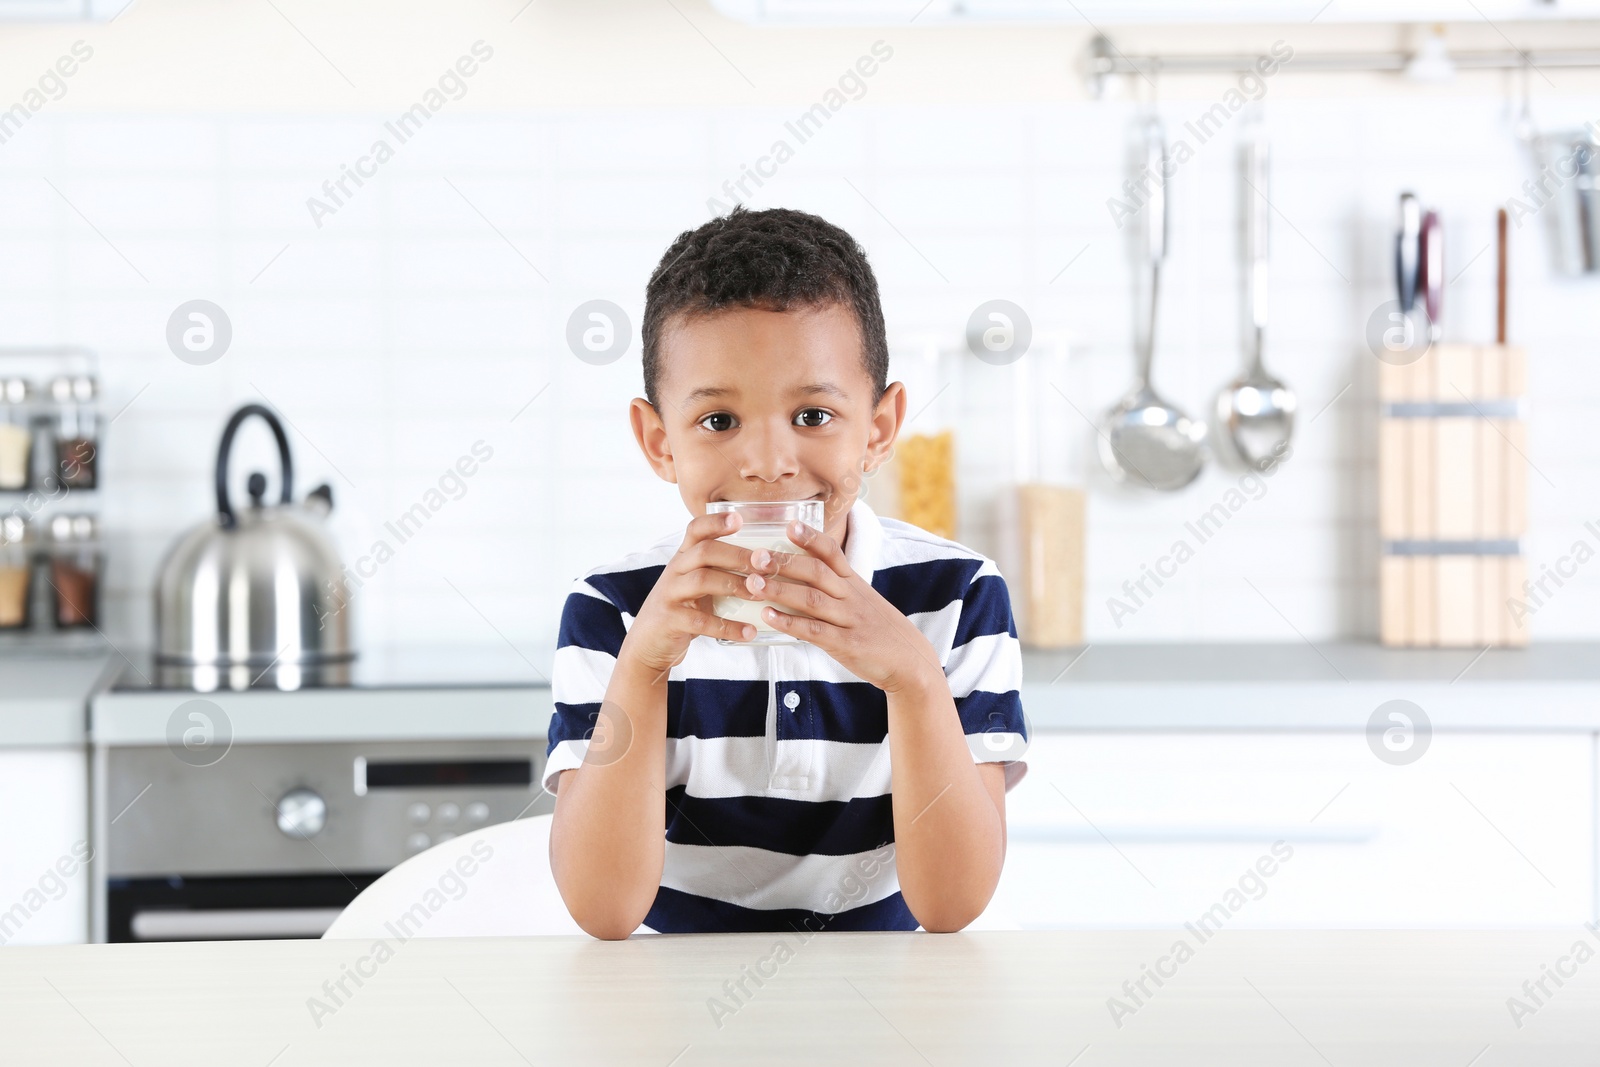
(586, 653)
(984, 671)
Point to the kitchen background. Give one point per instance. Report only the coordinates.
(429, 311)
(420, 318)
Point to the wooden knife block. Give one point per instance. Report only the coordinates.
(1452, 497)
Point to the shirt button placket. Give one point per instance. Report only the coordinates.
(767, 655)
(793, 764)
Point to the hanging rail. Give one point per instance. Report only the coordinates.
(1103, 60)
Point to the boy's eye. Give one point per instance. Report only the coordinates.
(723, 415)
(826, 416)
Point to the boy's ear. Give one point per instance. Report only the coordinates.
(652, 437)
(886, 420)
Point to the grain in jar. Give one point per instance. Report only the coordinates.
(927, 481)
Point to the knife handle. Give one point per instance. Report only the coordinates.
(1432, 272)
(1500, 277)
(1407, 253)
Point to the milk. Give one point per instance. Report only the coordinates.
(757, 535)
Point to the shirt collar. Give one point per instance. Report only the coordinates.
(863, 540)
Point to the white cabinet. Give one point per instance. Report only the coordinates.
(44, 848)
(1121, 829)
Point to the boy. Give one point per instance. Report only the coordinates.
(769, 767)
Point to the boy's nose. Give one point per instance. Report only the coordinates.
(767, 456)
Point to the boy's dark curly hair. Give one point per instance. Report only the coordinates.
(775, 259)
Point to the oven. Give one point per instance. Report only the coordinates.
(272, 833)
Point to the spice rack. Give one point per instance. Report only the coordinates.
(51, 559)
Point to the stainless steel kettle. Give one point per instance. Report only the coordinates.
(259, 589)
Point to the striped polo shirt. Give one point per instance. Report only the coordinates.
(778, 809)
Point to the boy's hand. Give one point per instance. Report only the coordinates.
(818, 598)
(678, 609)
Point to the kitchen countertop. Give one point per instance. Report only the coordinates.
(1172, 687)
(1301, 686)
(1242, 998)
(44, 694)
(1299, 661)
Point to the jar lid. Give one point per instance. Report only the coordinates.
(65, 390)
(13, 530)
(73, 528)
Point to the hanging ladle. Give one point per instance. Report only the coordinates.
(1143, 439)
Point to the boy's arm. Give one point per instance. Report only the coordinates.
(949, 812)
(606, 846)
(608, 842)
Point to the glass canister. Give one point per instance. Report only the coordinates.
(1043, 523)
(75, 566)
(922, 472)
(16, 434)
(16, 573)
(76, 430)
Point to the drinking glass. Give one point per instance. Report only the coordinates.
(763, 524)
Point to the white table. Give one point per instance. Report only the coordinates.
(1336, 998)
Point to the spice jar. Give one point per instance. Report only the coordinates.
(16, 435)
(16, 573)
(75, 432)
(75, 570)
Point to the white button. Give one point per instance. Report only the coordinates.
(477, 811)
(448, 812)
(418, 813)
(416, 842)
(791, 699)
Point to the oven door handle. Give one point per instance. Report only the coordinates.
(225, 924)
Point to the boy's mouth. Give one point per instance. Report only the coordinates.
(760, 500)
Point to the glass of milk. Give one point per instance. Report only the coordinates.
(763, 524)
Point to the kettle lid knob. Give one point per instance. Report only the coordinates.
(257, 487)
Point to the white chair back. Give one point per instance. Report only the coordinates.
(493, 882)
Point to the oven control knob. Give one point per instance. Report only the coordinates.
(302, 813)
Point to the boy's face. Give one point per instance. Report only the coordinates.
(767, 405)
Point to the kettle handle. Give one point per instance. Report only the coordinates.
(224, 508)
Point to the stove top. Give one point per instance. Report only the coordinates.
(381, 667)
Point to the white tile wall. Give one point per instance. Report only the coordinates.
(422, 317)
